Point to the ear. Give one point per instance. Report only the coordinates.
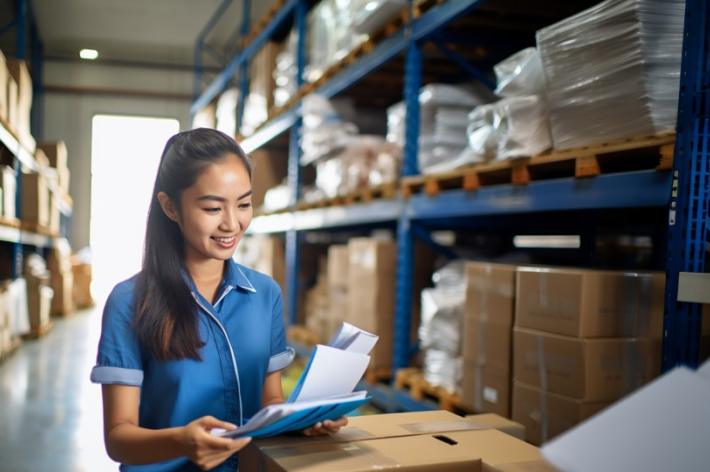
(168, 207)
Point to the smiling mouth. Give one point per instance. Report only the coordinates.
(225, 240)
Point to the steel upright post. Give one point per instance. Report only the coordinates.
(688, 209)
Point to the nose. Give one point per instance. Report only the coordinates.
(229, 222)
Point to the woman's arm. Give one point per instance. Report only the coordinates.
(128, 443)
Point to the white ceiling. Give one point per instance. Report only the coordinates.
(153, 31)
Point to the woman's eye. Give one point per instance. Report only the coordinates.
(245, 205)
(211, 210)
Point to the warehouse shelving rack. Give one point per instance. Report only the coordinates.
(25, 26)
(683, 192)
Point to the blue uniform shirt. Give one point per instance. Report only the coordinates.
(244, 340)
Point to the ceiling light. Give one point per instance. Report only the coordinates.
(89, 54)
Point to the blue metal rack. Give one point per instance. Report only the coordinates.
(688, 221)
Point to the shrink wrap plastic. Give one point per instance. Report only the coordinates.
(286, 70)
(370, 16)
(441, 326)
(613, 71)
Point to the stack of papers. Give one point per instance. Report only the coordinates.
(324, 391)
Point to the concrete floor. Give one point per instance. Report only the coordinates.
(50, 413)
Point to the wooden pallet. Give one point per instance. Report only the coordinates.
(34, 227)
(11, 222)
(38, 331)
(412, 379)
(377, 374)
(302, 335)
(650, 152)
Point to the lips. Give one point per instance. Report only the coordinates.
(225, 243)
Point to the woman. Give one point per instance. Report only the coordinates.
(194, 341)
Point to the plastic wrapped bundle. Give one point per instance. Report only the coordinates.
(395, 123)
(613, 71)
(286, 70)
(226, 114)
(520, 75)
(441, 325)
(324, 132)
(370, 16)
(350, 168)
(522, 127)
(386, 167)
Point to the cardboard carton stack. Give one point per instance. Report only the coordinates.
(20, 102)
(6, 319)
(62, 278)
(433, 440)
(338, 268)
(82, 274)
(261, 88)
(57, 170)
(39, 293)
(582, 340)
(35, 201)
(487, 344)
(317, 305)
(371, 292)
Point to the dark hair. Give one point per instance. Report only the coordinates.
(166, 311)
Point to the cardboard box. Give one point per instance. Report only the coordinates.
(82, 275)
(8, 182)
(500, 423)
(56, 152)
(18, 70)
(589, 303)
(261, 88)
(338, 261)
(60, 265)
(486, 388)
(532, 466)
(385, 442)
(55, 215)
(546, 415)
(585, 369)
(371, 293)
(270, 169)
(3, 87)
(35, 199)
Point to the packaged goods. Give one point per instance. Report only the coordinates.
(520, 75)
(613, 71)
(370, 16)
(226, 114)
(286, 71)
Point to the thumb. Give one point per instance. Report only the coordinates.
(210, 422)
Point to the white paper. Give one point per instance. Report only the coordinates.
(330, 371)
(664, 426)
(353, 339)
(705, 369)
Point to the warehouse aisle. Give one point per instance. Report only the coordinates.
(49, 411)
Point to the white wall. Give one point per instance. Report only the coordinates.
(67, 117)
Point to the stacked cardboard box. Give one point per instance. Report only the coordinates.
(317, 305)
(35, 200)
(371, 292)
(57, 170)
(3, 88)
(338, 267)
(261, 88)
(62, 278)
(82, 274)
(434, 440)
(582, 340)
(487, 345)
(20, 123)
(39, 293)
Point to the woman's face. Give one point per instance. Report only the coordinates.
(216, 211)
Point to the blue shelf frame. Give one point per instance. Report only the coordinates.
(686, 235)
(688, 211)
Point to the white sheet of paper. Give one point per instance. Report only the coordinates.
(662, 427)
(353, 339)
(332, 372)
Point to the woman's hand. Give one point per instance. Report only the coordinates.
(325, 427)
(204, 449)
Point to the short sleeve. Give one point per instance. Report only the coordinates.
(119, 359)
(281, 354)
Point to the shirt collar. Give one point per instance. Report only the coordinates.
(234, 275)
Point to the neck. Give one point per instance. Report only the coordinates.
(207, 276)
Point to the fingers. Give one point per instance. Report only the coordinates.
(325, 427)
(210, 422)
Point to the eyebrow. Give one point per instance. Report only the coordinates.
(222, 199)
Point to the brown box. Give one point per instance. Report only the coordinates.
(270, 169)
(8, 183)
(338, 261)
(532, 466)
(35, 199)
(589, 303)
(488, 313)
(403, 441)
(337, 309)
(261, 88)
(371, 292)
(39, 302)
(486, 388)
(18, 70)
(56, 152)
(3, 87)
(60, 265)
(592, 370)
(82, 285)
(545, 414)
(54, 214)
(500, 423)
